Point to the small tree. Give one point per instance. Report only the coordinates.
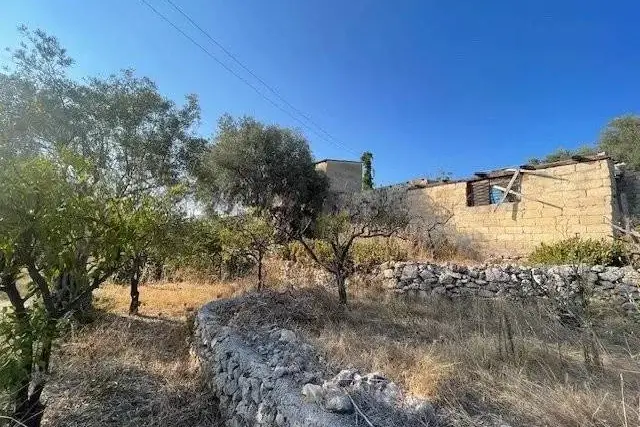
(69, 243)
(251, 236)
(367, 172)
(621, 139)
(375, 213)
(148, 226)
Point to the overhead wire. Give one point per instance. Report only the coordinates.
(320, 132)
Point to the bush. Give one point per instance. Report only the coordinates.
(365, 254)
(576, 250)
(370, 253)
(294, 251)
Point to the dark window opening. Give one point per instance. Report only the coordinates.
(483, 192)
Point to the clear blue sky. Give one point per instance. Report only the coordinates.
(425, 85)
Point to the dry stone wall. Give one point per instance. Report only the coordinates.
(269, 376)
(617, 285)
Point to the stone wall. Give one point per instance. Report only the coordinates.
(616, 285)
(264, 375)
(573, 199)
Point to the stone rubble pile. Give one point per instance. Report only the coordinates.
(341, 392)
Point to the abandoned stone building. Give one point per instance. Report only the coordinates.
(511, 210)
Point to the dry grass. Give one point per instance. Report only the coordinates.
(481, 360)
(134, 371)
(164, 299)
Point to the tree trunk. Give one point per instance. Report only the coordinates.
(158, 270)
(342, 288)
(135, 281)
(24, 407)
(260, 280)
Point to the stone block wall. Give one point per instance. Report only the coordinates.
(573, 199)
(619, 286)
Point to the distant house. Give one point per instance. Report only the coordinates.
(345, 176)
(514, 209)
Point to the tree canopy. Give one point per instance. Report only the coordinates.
(621, 139)
(264, 167)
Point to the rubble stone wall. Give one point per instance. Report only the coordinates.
(617, 285)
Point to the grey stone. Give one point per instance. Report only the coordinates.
(496, 275)
(428, 276)
(280, 420)
(388, 273)
(287, 336)
(280, 371)
(410, 271)
(265, 415)
(446, 279)
(611, 274)
(344, 377)
(338, 402)
(255, 390)
(313, 393)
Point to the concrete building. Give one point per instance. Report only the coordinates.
(345, 176)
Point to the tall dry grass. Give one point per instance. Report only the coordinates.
(482, 361)
(134, 370)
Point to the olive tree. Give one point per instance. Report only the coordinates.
(353, 217)
(68, 243)
(621, 139)
(251, 236)
(267, 168)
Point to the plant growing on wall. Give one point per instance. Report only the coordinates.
(367, 171)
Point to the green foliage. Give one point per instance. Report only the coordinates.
(87, 176)
(621, 139)
(295, 251)
(577, 250)
(367, 172)
(368, 254)
(267, 168)
(564, 154)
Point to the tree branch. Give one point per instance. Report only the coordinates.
(42, 285)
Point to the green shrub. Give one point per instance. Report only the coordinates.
(369, 253)
(576, 250)
(365, 254)
(294, 251)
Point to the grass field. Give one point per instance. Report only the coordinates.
(134, 371)
(484, 362)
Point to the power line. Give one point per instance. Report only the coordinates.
(241, 78)
(248, 70)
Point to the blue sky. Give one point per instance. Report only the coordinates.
(427, 86)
